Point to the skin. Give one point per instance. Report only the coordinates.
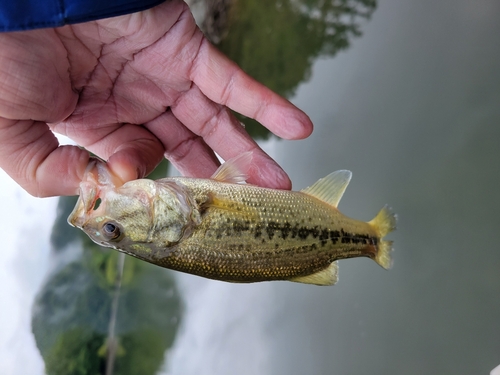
(131, 89)
(232, 232)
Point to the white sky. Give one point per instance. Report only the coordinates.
(25, 225)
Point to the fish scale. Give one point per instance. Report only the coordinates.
(262, 252)
(224, 230)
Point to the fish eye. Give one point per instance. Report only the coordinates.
(111, 230)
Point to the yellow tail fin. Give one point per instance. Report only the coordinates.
(384, 223)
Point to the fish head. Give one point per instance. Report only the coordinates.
(143, 218)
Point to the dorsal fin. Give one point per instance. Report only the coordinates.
(234, 170)
(330, 189)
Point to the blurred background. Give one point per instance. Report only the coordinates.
(405, 94)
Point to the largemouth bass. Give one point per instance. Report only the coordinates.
(222, 229)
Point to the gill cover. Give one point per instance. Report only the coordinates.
(140, 214)
(174, 213)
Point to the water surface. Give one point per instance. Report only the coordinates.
(411, 106)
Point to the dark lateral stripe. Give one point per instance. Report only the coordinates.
(286, 230)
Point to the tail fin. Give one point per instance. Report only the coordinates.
(384, 223)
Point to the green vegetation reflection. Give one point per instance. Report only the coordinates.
(276, 42)
(76, 327)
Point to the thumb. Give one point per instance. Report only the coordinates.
(31, 155)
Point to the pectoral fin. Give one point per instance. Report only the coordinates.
(234, 170)
(330, 189)
(328, 276)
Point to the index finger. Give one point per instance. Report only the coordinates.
(225, 83)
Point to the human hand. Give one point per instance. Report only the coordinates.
(130, 89)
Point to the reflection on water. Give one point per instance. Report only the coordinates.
(100, 312)
(103, 313)
(276, 42)
(412, 109)
(96, 313)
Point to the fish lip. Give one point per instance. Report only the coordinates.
(77, 218)
(74, 219)
(96, 178)
(89, 193)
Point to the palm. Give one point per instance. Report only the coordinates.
(134, 88)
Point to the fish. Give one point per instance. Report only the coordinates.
(224, 229)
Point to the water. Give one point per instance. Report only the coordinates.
(412, 108)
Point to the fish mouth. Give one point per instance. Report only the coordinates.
(97, 176)
(89, 194)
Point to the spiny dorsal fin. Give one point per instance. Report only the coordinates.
(328, 276)
(234, 170)
(330, 189)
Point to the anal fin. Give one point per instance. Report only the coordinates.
(328, 276)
